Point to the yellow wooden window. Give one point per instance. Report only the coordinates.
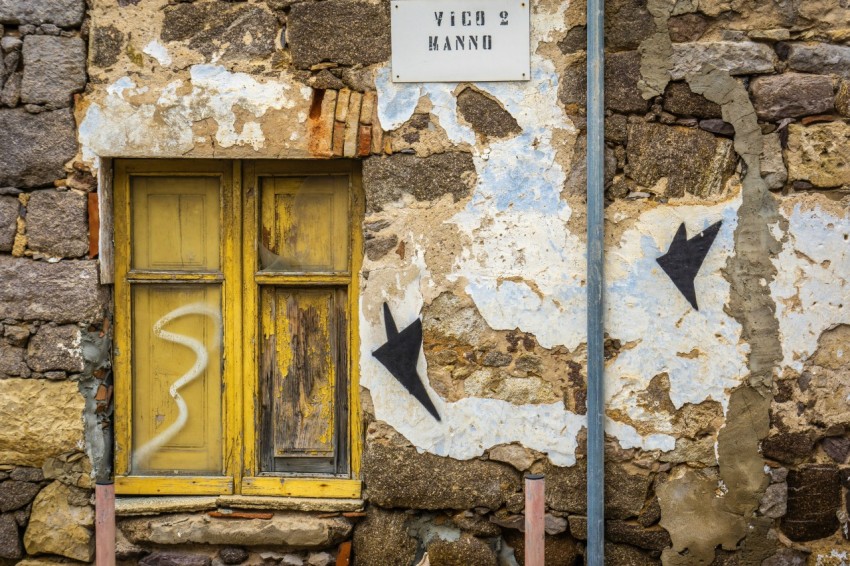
(236, 309)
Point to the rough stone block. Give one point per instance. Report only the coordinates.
(386, 178)
(625, 532)
(382, 539)
(174, 559)
(791, 95)
(820, 58)
(60, 524)
(57, 223)
(466, 550)
(62, 13)
(517, 456)
(687, 27)
(69, 471)
(16, 494)
(298, 530)
(679, 99)
(575, 40)
(736, 57)
(339, 31)
(627, 24)
(233, 555)
(814, 496)
(39, 419)
(774, 502)
(8, 222)
(35, 146)
(837, 448)
(787, 557)
(10, 541)
(56, 348)
(62, 292)
(624, 555)
(106, 45)
(320, 559)
(566, 490)
(54, 69)
(26, 473)
(376, 248)
(819, 153)
(233, 30)
(687, 450)
(11, 94)
(773, 169)
(12, 362)
(399, 476)
(557, 550)
(486, 116)
(694, 161)
(789, 447)
(842, 98)
(622, 73)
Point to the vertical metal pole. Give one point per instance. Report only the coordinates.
(595, 281)
(104, 524)
(535, 523)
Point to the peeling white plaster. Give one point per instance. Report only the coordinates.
(159, 52)
(811, 289)
(526, 270)
(469, 426)
(700, 351)
(119, 126)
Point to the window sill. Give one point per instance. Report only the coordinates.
(156, 505)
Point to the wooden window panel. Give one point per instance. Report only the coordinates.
(177, 379)
(174, 288)
(200, 205)
(303, 361)
(303, 379)
(175, 223)
(304, 224)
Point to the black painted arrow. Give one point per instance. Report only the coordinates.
(684, 258)
(400, 355)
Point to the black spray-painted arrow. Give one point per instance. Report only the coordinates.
(684, 258)
(400, 355)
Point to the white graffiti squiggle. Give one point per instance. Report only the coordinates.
(145, 451)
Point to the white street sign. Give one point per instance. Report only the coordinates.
(460, 40)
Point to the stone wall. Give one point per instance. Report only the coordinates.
(51, 303)
(727, 133)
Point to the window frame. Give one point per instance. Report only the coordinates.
(240, 289)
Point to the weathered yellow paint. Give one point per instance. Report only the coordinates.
(175, 223)
(357, 204)
(140, 276)
(303, 391)
(174, 485)
(232, 250)
(304, 224)
(158, 365)
(148, 291)
(253, 279)
(251, 324)
(315, 279)
(238, 282)
(302, 487)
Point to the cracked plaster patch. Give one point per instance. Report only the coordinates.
(120, 126)
(517, 285)
(811, 288)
